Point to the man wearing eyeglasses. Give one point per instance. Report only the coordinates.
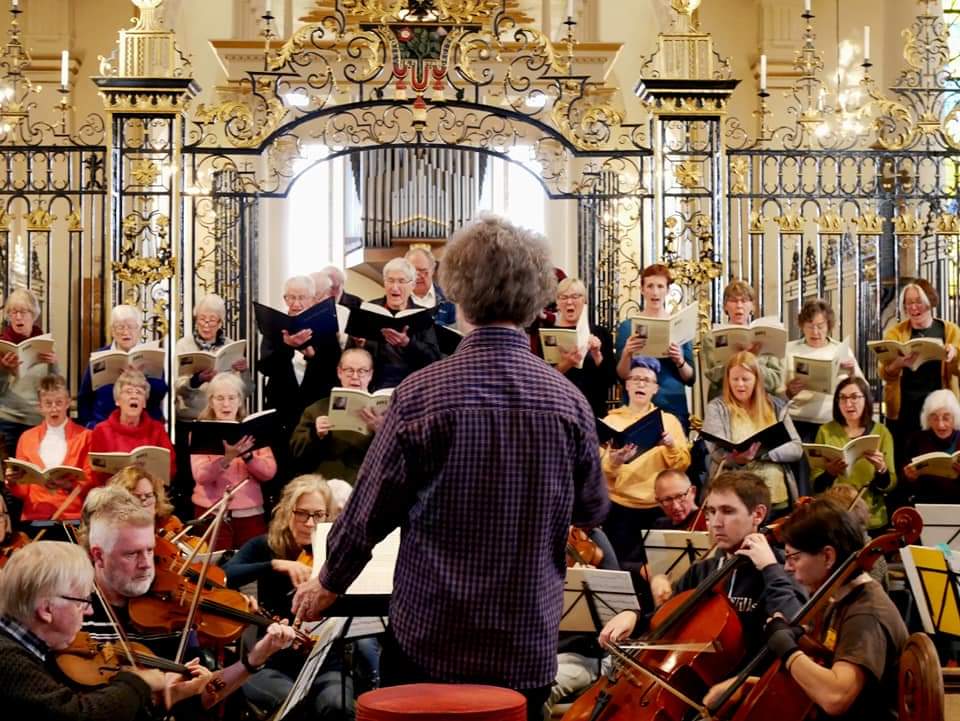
(315, 447)
(44, 597)
(677, 498)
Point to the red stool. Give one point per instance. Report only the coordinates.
(441, 702)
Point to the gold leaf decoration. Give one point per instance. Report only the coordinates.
(144, 171)
(39, 219)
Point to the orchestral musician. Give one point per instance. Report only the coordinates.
(864, 631)
(120, 540)
(677, 498)
(735, 505)
(152, 494)
(279, 562)
(96, 406)
(45, 594)
(491, 400)
(56, 441)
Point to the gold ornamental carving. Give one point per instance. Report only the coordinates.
(948, 224)
(830, 222)
(869, 223)
(757, 222)
(907, 224)
(5, 219)
(790, 222)
(144, 172)
(738, 175)
(39, 219)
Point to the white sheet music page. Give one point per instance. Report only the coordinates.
(377, 576)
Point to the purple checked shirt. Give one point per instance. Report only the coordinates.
(483, 461)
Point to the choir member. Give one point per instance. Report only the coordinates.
(18, 386)
(279, 561)
(129, 426)
(630, 476)
(852, 418)
(904, 390)
(337, 290)
(45, 594)
(214, 473)
(738, 306)
(676, 370)
(315, 447)
(940, 433)
(811, 409)
(399, 354)
(56, 441)
(865, 635)
(743, 409)
(599, 364)
(95, 406)
(426, 293)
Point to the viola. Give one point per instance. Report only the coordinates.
(776, 694)
(13, 542)
(169, 555)
(582, 549)
(222, 613)
(94, 663)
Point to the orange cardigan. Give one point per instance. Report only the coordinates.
(39, 504)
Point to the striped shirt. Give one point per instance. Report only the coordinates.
(483, 461)
(25, 637)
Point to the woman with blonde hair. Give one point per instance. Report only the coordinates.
(276, 562)
(150, 491)
(743, 409)
(213, 473)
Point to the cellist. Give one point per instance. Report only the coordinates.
(861, 627)
(120, 539)
(735, 505)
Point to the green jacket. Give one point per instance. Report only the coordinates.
(338, 455)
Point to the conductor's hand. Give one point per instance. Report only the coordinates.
(396, 338)
(310, 599)
(618, 627)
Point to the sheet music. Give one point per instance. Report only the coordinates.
(667, 551)
(363, 626)
(941, 525)
(612, 592)
(327, 632)
(933, 578)
(376, 578)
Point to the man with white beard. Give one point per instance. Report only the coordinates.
(120, 537)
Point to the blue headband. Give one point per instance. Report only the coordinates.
(651, 364)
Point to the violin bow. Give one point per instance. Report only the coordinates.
(213, 531)
(210, 511)
(208, 535)
(71, 497)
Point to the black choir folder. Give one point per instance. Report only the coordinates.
(208, 436)
(369, 319)
(644, 434)
(773, 436)
(320, 318)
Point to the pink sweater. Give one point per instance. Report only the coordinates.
(211, 479)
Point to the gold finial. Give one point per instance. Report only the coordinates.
(685, 10)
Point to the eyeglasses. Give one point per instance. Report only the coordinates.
(297, 298)
(315, 516)
(83, 603)
(208, 319)
(19, 311)
(678, 498)
(396, 281)
(572, 296)
(641, 380)
(54, 402)
(852, 398)
(126, 326)
(788, 557)
(133, 391)
(356, 371)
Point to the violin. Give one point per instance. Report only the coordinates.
(168, 555)
(14, 542)
(776, 691)
(306, 558)
(222, 613)
(94, 663)
(582, 549)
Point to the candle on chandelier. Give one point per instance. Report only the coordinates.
(866, 43)
(570, 9)
(16, 4)
(65, 69)
(806, 6)
(763, 73)
(268, 7)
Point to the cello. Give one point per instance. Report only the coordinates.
(776, 689)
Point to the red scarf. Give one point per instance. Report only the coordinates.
(11, 335)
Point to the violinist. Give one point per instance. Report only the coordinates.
(735, 505)
(279, 562)
(56, 441)
(677, 498)
(862, 629)
(120, 537)
(43, 598)
(152, 494)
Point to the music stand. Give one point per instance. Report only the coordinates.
(941, 525)
(592, 596)
(935, 583)
(671, 553)
(330, 631)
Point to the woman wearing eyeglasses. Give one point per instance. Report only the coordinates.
(852, 418)
(150, 491)
(213, 473)
(273, 561)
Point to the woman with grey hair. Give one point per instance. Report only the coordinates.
(940, 424)
(19, 407)
(94, 406)
(397, 354)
